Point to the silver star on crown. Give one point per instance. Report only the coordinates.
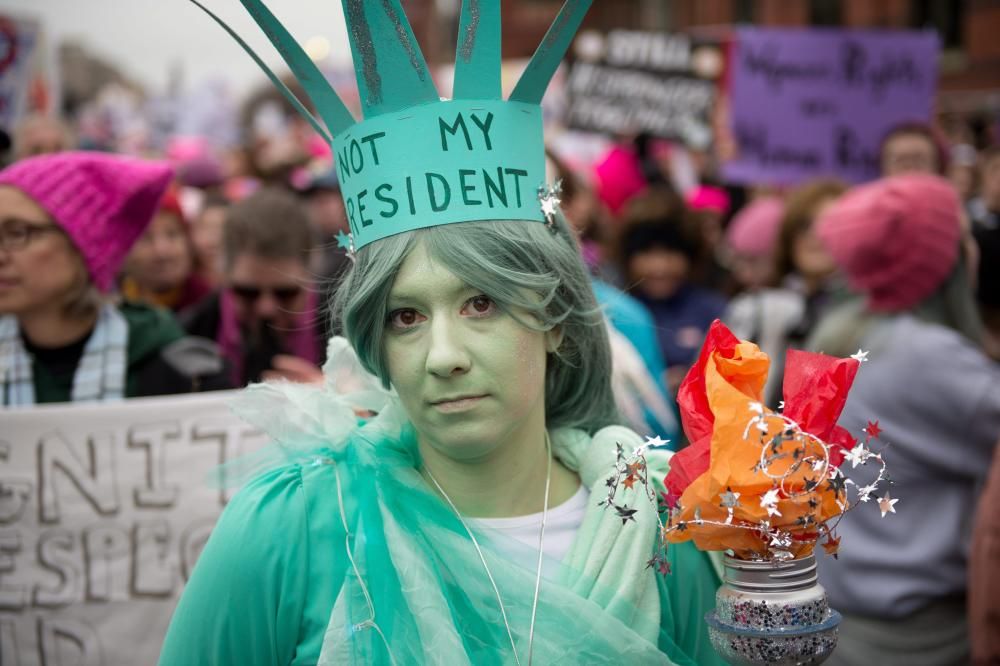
(548, 197)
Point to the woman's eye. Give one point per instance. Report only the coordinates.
(479, 306)
(405, 318)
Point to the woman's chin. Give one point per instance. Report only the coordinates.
(466, 443)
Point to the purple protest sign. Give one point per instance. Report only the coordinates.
(809, 103)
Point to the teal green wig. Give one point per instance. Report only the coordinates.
(524, 267)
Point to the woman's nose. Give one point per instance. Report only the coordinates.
(446, 354)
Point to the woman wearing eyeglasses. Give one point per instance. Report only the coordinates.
(67, 221)
(265, 318)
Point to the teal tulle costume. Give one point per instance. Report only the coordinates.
(340, 553)
(337, 551)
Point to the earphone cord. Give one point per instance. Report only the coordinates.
(482, 558)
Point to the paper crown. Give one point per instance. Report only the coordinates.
(416, 161)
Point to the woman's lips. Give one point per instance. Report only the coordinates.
(460, 404)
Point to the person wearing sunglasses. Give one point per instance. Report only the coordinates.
(265, 317)
(67, 221)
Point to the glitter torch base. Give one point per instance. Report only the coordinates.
(772, 613)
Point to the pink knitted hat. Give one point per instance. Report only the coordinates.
(895, 239)
(706, 197)
(619, 178)
(754, 230)
(102, 201)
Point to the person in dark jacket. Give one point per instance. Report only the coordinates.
(67, 221)
(659, 252)
(267, 318)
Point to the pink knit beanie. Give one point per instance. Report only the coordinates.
(102, 201)
(754, 230)
(619, 178)
(895, 239)
(706, 197)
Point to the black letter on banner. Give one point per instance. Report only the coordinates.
(56, 635)
(12, 597)
(453, 130)
(153, 437)
(8, 642)
(430, 192)
(94, 478)
(105, 554)
(56, 553)
(14, 494)
(153, 575)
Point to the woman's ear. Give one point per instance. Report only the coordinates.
(553, 339)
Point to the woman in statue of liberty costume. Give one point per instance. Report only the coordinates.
(458, 520)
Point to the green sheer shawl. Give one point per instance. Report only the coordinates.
(414, 589)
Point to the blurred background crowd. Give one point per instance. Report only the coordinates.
(219, 251)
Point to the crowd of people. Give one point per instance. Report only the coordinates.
(202, 270)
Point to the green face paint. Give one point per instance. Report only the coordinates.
(470, 377)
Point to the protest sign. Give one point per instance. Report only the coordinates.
(19, 44)
(808, 103)
(633, 81)
(103, 512)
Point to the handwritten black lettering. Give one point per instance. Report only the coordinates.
(153, 574)
(452, 129)
(153, 439)
(766, 62)
(58, 554)
(13, 595)
(103, 547)
(60, 638)
(95, 478)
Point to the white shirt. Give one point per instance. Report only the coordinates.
(561, 525)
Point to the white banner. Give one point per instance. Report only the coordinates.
(103, 512)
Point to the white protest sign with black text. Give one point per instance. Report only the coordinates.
(103, 512)
(633, 81)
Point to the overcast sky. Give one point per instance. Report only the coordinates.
(144, 37)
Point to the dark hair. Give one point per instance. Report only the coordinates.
(665, 234)
(657, 218)
(800, 212)
(270, 223)
(920, 129)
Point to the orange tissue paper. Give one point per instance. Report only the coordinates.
(753, 480)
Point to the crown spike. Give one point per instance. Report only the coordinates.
(278, 83)
(328, 104)
(391, 71)
(477, 54)
(531, 86)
